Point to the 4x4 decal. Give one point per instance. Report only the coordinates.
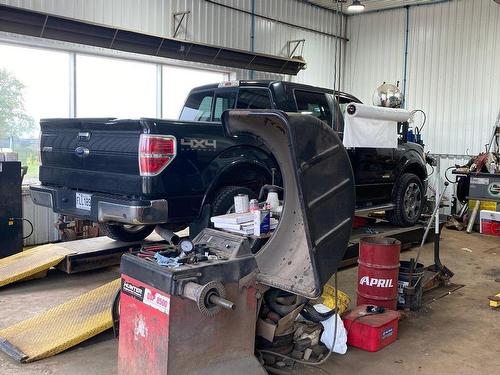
(199, 144)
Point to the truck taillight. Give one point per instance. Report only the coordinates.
(156, 152)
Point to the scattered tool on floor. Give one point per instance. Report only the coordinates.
(494, 300)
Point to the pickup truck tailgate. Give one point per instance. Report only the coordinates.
(91, 154)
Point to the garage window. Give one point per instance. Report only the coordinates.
(107, 87)
(34, 84)
(313, 103)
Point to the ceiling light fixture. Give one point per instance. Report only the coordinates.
(356, 7)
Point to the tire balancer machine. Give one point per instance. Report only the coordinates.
(200, 318)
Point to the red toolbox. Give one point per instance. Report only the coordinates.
(371, 332)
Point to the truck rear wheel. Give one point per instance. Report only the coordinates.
(223, 201)
(409, 201)
(126, 233)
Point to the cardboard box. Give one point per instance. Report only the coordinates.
(268, 330)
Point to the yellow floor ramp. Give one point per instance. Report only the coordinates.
(61, 327)
(29, 263)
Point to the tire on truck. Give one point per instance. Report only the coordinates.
(125, 232)
(409, 199)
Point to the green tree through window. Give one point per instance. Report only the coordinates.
(14, 121)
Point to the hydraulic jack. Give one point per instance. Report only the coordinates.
(435, 275)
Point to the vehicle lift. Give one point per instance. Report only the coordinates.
(201, 318)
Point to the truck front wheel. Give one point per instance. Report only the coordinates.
(124, 232)
(409, 201)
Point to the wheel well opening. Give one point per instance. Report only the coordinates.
(246, 175)
(416, 170)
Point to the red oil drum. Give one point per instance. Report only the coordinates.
(378, 272)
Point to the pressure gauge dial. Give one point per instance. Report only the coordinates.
(186, 246)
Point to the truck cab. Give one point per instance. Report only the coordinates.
(376, 170)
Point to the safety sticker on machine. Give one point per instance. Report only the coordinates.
(156, 301)
(147, 296)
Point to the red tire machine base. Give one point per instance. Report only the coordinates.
(172, 338)
(162, 331)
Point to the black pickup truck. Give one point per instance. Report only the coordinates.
(131, 175)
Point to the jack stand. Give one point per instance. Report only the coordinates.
(437, 274)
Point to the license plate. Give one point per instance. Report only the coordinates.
(83, 201)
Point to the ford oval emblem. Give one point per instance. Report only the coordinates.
(82, 152)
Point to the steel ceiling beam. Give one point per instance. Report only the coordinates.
(44, 25)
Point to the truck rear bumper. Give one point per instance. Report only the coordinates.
(103, 208)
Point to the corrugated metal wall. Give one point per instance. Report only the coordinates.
(453, 69)
(43, 220)
(374, 52)
(454, 73)
(213, 24)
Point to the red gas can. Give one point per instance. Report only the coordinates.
(378, 271)
(371, 332)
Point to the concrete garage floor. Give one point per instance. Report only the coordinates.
(457, 334)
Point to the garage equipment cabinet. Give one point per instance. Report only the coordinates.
(11, 223)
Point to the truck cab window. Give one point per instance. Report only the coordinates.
(254, 98)
(313, 103)
(198, 107)
(223, 100)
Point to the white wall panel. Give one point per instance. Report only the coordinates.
(43, 220)
(446, 161)
(319, 49)
(454, 73)
(374, 52)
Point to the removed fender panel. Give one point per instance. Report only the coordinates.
(313, 233)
